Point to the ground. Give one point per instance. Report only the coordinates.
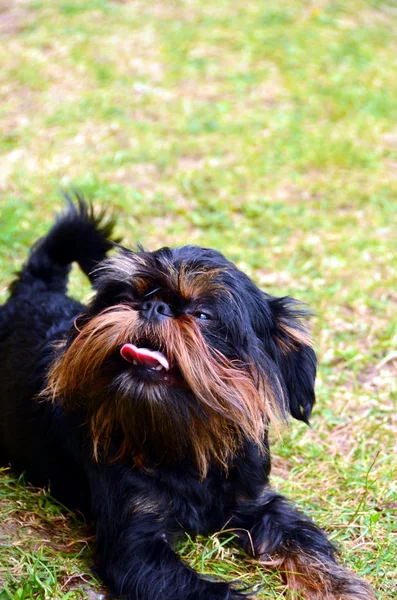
(266, 130)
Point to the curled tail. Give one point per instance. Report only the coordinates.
(78, 235)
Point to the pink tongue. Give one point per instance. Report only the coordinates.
(144, 356)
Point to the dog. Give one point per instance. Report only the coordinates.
(148, 410)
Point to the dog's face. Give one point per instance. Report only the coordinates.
(180, 354)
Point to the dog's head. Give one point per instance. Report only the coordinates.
(181, 355)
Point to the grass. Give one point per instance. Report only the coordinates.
(266, 130)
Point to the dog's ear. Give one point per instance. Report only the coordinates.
(281, 329)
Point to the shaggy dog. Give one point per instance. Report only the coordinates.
(149, 409)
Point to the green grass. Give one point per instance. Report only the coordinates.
(266, 130)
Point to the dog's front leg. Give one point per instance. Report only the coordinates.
(284, 538)
(134, 555)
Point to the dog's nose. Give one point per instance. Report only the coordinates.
(155, 309)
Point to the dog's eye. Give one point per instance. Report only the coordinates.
(202, 315)
(125, 298)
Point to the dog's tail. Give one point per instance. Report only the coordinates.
(78, 235)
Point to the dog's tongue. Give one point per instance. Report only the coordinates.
(144, 356)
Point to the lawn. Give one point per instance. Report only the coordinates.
(267, 130)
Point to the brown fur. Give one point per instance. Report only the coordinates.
(315, 580)
(292, 338)
(192, 284)
(185, 281)
(237, 402)
(78, 365)
(125, 268)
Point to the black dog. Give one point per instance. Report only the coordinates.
(149, 409)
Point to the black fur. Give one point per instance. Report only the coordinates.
(141, 512)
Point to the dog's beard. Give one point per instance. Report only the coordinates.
(205, 407)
